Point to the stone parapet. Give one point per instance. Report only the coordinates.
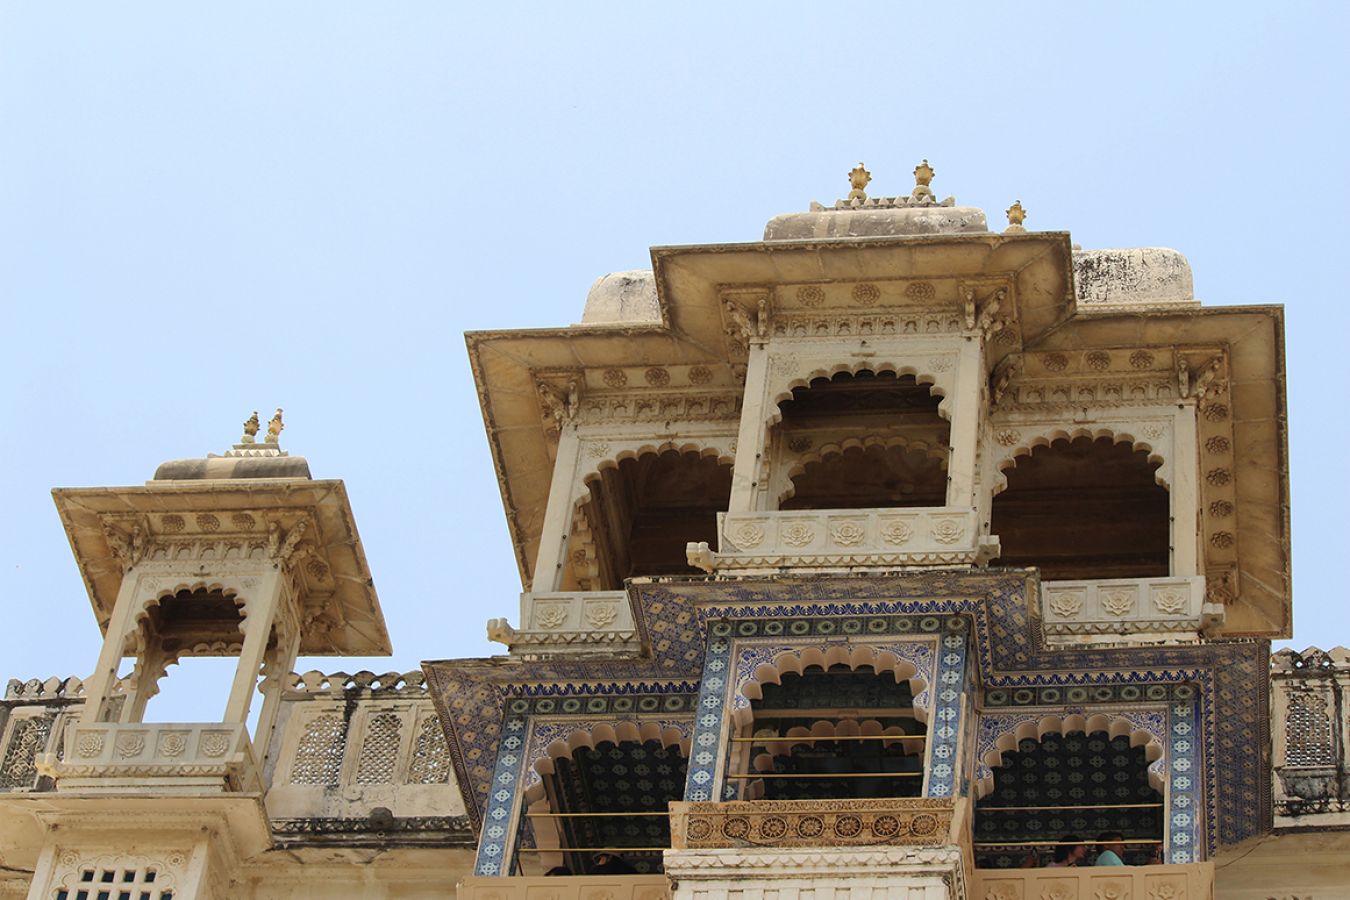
(845, 538)
(574, 887)
(1310, 692)
(1193, 881)
(570, 623)
(1134, 607)
(143, 758)
(862, 873)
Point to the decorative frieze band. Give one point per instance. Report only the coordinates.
(811, 823)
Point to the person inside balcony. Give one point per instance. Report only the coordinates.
(1070, 851)
(1110, 849)
(611, 864)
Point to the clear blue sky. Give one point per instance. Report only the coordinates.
(211, 209)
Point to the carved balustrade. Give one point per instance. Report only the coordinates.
(33, 718)
(1191, 881)
(1127, 606)
(920, 822)
(582, 622)
(573, 887)
(143, 757)
(834, 538)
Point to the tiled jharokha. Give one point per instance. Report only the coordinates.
(886, 556)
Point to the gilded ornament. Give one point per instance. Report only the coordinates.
(858, 179)
(274, 427)
(251, 426)
(1016, 216)
(923, 177)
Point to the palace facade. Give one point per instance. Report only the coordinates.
(887, 556)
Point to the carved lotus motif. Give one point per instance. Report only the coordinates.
(129, 745)
(1117, 603)
(1008, 438)
(215, 744)
(810, 295)
(601, 614)
(1066, 604)
(700, 375)
(1171, 602)
(896, 533)
(948, 531)
(1167, 890)
(89, 744)
(1113, 890)
(597, 450)
(848, 533)
(172, 744)
(798, 534)
(748, 535)
(1002, 892)
(1058, 892)
(551, 615)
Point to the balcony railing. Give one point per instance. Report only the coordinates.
(1192, 881)
(1119, 606)
(833, 538)
(133, 757)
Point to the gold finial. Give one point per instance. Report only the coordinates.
(250, 428)
(274, 428)
(1016, 216)
(923, 176)
(858, 179)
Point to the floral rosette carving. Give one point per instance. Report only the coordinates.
(848, 534)
(1170, 602)
(1117, 603)
(601, 614)
(1066, 605)
(797, 534)
(89, 744)
(551, 615)
(948, 531)
(748, 535)
(896, 533)
(215, 744)
(172, 744)
(129, 745)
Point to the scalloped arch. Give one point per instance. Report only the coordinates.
(936, 388)
(1008, 460)
(838, 448)
(700, 449)
(853, 656)
(1036, 729)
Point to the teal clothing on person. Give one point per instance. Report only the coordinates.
(1108, 858)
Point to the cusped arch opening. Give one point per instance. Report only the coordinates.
(863, 439)
(605, 787)
(832, 721)
(640, 513)
(1069, 778)
(1084, 508)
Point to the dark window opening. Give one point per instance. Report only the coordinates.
(1076, 784)
(640, 516)
(1084, 509)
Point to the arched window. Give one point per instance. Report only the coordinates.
(841, 731)
(608, 791)
(878, 441)
(642, 513)
(1084, 509)
(1072, 784)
